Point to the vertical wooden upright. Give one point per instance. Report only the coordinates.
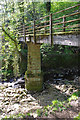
(34, 32)
(51, 36)
(64, 19)
(24, 32)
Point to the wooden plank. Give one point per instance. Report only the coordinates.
(42, 30)
(29, 30)
(28, 26)
(66, 9)
(42, 26)
(42, 23)
(73, 14)
(67, 16)
(73, 29)
(67, 21)
(69, 26)
(44, 17)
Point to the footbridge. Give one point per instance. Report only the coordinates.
(52, 29)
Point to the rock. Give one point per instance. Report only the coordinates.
(9, 110)
(7, 103)
(16, 106)
(29, 99)
(33, 103)
(16, 95)
(63, 87)
(20, 83)
(23, 100)
(11, 85)
(1, 98)
(1, 111)
(19, 91)
(8, 90)
(22, 95)
(6, 99)
(34, 115)
(74, 103)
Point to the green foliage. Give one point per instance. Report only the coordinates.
(28, 114)
(55, 102)
(39, 112)
(12, 117)
(46, 113)
(10, 57)
(58, 105)
(55, 109)
(74, 96)
(77, 117)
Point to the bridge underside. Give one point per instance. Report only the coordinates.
(71, 39)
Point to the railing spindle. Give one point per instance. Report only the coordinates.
(34, 32)
(51, 36)
(64, 19)
(24, 32)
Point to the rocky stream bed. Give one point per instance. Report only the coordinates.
(15, 99)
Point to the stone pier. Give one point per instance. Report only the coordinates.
(33, 76)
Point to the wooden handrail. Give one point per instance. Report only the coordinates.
(67, 15)
(69, 26)
(44, 17)
(67, 21)
(66, 9)
(28, 26)
(29, 29)
(42, 27)
(33, 28)
(42, 23)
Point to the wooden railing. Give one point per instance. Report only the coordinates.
(53, 23)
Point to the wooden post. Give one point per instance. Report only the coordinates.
(30, 38)
(51, 36)
(64, 19)
(34, 32)
(24, 32)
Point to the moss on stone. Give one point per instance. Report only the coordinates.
(33, 85)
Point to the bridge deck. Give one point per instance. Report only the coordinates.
(61, 38)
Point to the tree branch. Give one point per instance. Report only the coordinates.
(12, 40)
